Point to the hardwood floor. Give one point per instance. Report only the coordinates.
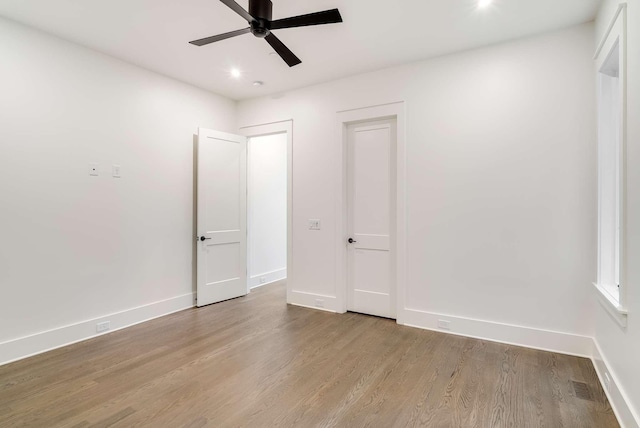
(256, 362)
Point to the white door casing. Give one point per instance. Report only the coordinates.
(222, 222)
(371, 182)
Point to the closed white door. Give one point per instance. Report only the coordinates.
(222, 218)
(371, 220)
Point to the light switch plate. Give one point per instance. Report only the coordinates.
(93, 169)
(314, 224)
(115, 171)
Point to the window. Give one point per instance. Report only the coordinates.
(610, 67)
(609, 157)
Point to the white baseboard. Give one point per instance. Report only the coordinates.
(38, 343)
(627, 417)
(269, 277)
(310, 300)
(545, 340)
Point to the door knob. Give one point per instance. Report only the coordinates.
(351, 241)
(202, 238)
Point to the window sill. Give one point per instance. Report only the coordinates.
(617, 312)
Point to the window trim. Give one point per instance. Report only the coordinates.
(616, 34)
(618, 313)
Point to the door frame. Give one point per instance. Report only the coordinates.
(344, 118)
(285, 126)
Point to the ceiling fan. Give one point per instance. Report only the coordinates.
(260, 25)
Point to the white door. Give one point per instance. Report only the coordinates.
(222, 216)
(371, 176)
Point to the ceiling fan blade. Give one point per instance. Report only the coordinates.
(289, 57)
(238, 9)
(317, 18)
(207, 40)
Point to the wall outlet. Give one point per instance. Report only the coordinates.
(102, 326)
(444, 324)
(93, 169)
(314, 224)
(263, 280)
(319, 303)
(607, 381)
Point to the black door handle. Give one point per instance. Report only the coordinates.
(202, 238)
(351, 241)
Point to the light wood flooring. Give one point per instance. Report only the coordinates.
(256, 362)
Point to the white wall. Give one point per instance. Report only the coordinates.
(267, 208)
(74, 247)
(621, 347)
(501, 186)
(501, 161)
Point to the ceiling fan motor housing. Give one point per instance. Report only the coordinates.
(262, 11)
(260, 28)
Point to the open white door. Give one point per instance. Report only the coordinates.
(222, 216)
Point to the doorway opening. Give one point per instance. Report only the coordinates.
(266, 209)
(269, 208)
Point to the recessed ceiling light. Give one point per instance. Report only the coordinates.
(483, 3)
(235, 73)
(258, 83)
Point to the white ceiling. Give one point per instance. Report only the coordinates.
(375, 34)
